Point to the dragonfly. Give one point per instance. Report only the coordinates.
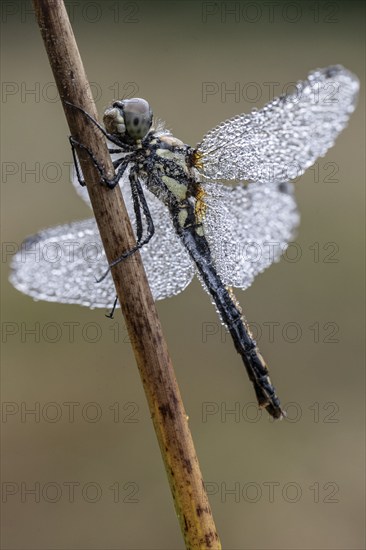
(223, 210)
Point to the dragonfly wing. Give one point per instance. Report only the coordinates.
(61, 264)
(248, 227)
(283, 139)
(168, 266)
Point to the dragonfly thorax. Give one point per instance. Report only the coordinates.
(163, 168)
(128, 119)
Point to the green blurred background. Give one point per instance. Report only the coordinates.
(97, 473)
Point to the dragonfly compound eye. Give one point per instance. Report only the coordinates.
(128, 118)
(137, 116)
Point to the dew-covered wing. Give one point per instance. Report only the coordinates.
(60, 264)
(248, 227)
(283, 139)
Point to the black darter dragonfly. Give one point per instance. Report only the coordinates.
(187, 221)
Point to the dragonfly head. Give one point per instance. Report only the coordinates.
(129, 119)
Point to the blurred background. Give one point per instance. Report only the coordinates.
(81, 468)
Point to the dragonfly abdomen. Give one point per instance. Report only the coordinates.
(257, 370)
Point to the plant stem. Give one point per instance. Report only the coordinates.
(156, 371)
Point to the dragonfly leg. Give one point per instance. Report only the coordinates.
(109, 182)
(76, 162)
(135, 184)
(74, 144)
(120, 165)
(111, 313)
(139, 202)
(137, 209)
